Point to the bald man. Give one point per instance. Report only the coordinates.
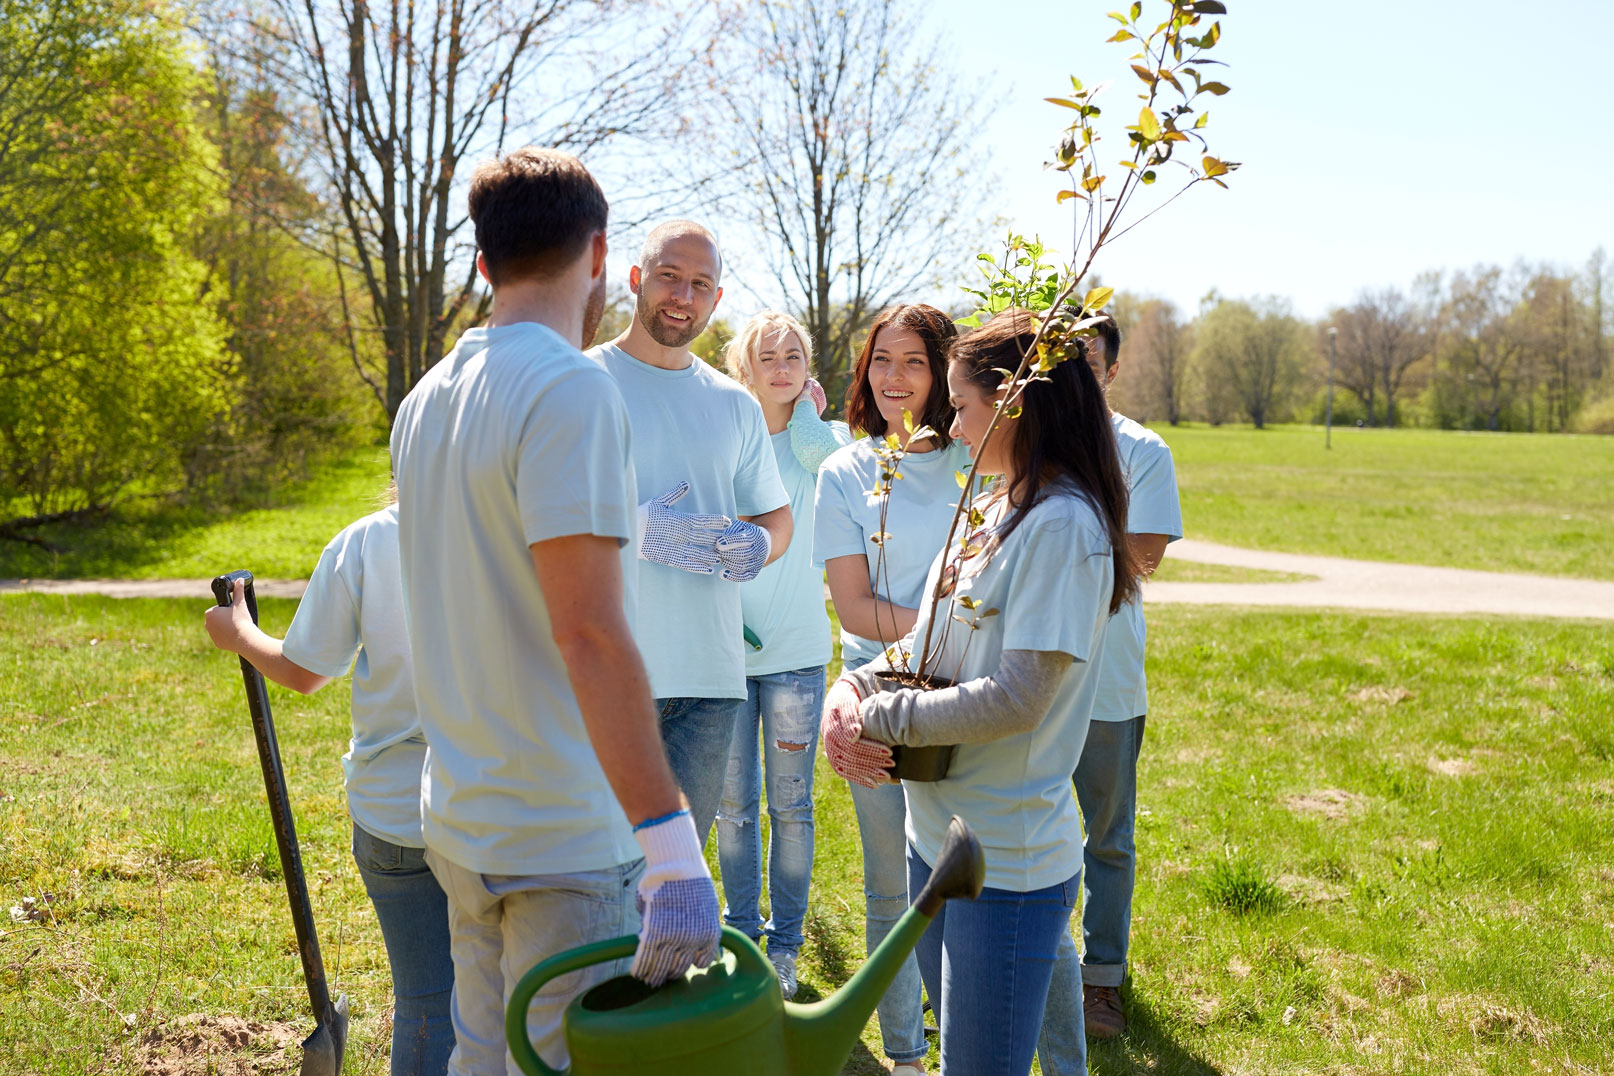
(713, 510)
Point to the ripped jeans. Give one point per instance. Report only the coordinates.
(785, 707)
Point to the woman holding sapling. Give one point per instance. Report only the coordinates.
(876, 551)
(1033, 584)
(788, 632)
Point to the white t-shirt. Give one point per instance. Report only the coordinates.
(699, 426)
(1050, 581)
(354, 606)
(513, 438)
(784, 606)
(1151, 482)
(848, 514)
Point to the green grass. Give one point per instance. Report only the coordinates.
(1541, 503)
(1368, 844)
(144, 539)
(1172, 570)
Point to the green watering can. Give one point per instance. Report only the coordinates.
(730, 1018)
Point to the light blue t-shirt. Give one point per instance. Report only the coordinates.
(699, 426)
(1050, 582)
(513, 438)
(784, 606)
(354, 606)
(1151, 482)
(921, 510)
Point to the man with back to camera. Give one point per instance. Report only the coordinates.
(1106, 778)
(547, 799)
(713, 510)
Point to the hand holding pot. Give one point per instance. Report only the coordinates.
(680, 924)
(866, 762)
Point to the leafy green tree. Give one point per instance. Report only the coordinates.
(1256, 350)
(110, 350)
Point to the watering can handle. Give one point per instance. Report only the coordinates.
(584, 956)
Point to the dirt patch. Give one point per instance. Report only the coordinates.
(1328, 802)
(1309, 890)
(1452, 767)
(1389, 696)
(202, 1045)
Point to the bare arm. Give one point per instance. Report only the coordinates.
(780, 526)
(860, 612)
(1149, 549)
(581, 578)
(231, 628)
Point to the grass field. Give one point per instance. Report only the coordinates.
(1504, 502)
(1501, 502)
(1368, 844)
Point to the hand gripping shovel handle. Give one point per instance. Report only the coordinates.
(322, 1052)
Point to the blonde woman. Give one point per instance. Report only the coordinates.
(788, 633)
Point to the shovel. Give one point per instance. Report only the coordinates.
(322, 1051)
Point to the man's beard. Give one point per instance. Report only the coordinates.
(594, 312)
(663, 336)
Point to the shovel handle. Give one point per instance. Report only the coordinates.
(274, 781)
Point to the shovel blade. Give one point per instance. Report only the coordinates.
(322, 1051)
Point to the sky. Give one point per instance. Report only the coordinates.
(1378, 139)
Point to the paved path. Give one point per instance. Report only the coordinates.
(1366, 584)
(200, 589)
(1339, 583)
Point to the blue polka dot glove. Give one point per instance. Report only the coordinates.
(680, 923)
(743, 550)
(670, 537)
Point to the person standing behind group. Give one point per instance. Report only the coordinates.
(1106, 778)
(516, 530)
(877, 587)
(700, 443)
(789, 645)
(1042, 576)
(351, 617)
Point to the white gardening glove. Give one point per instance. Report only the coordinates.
(670, 537)
(743, 549)
(679, 920)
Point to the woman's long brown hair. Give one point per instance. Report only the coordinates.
(1063, 432)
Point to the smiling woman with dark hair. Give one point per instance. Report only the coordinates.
(877, 583)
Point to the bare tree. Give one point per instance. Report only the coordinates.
(853, 161)
(1155, 352)
(1381, 336)
(404, 95)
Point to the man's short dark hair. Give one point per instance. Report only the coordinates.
(1110, 333)
(534, 211)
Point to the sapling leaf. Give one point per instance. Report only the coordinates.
(907, 420)
(961, 478)
(1216, 88)
(1204, 118)
(1149, 124)
(967, 602)
(1096, 299)
(879, 537)
(989, 612)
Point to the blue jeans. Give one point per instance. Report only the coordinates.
(1106, 781)
(986, 965)
(414, 924)
(881, 814)
(696, 733)
(786, 707)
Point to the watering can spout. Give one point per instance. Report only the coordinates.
(819, 1037)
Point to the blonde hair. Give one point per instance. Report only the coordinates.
(748, 341)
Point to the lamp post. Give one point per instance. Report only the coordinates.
(1328, 416)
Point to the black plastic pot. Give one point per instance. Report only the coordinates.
(918, 763)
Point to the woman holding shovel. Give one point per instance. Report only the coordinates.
(351, 616)
(789, 645)
(877, 556)
(1032, 588)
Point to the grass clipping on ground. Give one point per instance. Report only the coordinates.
(1367, 844)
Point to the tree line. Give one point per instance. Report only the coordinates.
(1517, 348)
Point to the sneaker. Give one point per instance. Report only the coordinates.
(1101, 1009)
(784, 965)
